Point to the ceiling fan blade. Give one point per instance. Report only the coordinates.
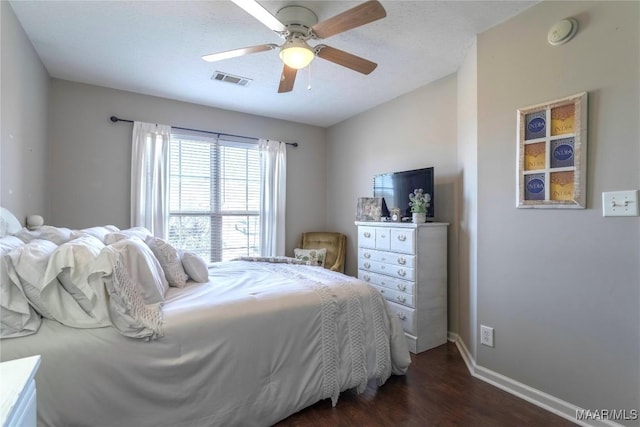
(287, 79)
(238, 52)
(360, 15)
(345, 59)
(254, 9)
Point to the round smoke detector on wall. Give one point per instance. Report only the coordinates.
(562, 31)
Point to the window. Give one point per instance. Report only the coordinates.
(214, 202)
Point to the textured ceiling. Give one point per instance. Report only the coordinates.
(155, 48)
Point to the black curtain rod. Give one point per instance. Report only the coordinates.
(115, 119)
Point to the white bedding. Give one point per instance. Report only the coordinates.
(257, 343)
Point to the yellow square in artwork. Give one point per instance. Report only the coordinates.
(562, 186)
(534, 156)
(563, 120)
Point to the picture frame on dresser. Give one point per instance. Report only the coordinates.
(407, 264)
(369, 209)
(552, 154)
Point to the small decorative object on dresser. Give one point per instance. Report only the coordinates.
(419, 202)
(407, 263)
(394, 214)
(369, 209)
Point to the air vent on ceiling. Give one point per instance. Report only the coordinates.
(230, 78)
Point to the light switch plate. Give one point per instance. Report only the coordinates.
(620, 203)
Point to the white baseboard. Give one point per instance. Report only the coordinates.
(539, 398)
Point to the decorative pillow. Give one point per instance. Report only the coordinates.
(312, 256)
(169, 260)
(9, 224)
(30, 265)
(194, 266)
(99, 232)
(73, 263)
(136, 285)
(17, 317)
(139, 232)
(57, 235)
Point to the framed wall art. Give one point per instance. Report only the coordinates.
(552, 154)
(369, 209)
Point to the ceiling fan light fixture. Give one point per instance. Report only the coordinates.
(296, 54)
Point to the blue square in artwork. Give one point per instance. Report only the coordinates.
(562, 152)
(534, 186)
(535, 125)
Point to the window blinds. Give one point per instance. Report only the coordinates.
(214, 196)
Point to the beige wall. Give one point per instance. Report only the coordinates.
(413, 131)
(467, 104)
(561, 287)
(23, 115)
(90, 156)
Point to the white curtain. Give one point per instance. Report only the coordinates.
(150, 177)
(273, 165)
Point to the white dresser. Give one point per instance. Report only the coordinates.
(18, 392)
(407, 263)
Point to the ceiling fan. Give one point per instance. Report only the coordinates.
(297, 25)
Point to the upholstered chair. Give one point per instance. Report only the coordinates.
(335, 243)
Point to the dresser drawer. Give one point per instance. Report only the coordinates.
(383, 238)
(396, 296)
(388, 269)
(387, 257)
(402, 240)
(405, 315)
(387, 281)
(367, 237)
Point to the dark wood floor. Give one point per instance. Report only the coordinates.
(437, 391)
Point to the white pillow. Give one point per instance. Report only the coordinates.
(312, 256)
(9, 224)
(194, 266)
(169, 260)
(136, 285)
(27, 264)
(99, 232)
(139, 232)
(17, 317)
(73, 263)
(57, 235)
(30, 263)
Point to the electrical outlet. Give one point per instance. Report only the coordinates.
(486, 336)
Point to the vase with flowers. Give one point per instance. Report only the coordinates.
(419, 201)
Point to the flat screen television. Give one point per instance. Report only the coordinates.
(394, 188)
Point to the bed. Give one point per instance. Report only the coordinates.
(256, 342)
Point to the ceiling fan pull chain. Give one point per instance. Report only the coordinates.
(309, 78)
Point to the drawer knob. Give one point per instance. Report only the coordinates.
(367, 255)
(402, 273)
(402, 287)
(402, 316)
(367, 234)
(402, 237)
(366, 278)
(367, 265)
(402, 261)
(401, 298)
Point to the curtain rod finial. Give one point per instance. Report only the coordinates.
(113, 119)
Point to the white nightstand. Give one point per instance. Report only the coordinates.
(18, 392)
